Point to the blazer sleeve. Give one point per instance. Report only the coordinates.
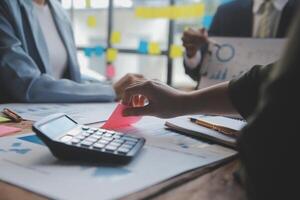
(213, 31)
(22, 81)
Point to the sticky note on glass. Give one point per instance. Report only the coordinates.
(206, 21)
(6, 130)
(88, 52)
(154, 48)
(110, 71)
(98, 50)
(88, 4)
(115, 38)
(4, 119)
(92, 21)
(171, 12)
(117, 120)
(143, 47)
(176, 51)
(111, 54)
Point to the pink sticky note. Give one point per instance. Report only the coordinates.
(110, 71)
(6, 130)
(117, 120)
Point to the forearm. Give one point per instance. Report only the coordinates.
(213, 100)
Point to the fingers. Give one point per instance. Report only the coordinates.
(138, 111)
(195, 37)
(133, 90)
(135, 100)
(138, 101)
(137, 75)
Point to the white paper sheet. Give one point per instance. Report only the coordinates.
(30, 165)
(236, 56)
(83, 113)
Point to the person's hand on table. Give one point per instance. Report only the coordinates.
(124, 82)
(162, 100)
(193, 40)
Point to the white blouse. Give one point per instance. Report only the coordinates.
(57, 51)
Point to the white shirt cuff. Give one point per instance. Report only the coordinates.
(193, 62)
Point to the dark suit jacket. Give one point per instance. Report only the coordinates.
(235, 19)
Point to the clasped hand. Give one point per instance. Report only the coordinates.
(154, 98)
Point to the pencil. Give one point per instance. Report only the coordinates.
(222, 129)
(12, 115)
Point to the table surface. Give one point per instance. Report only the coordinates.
(215, 182)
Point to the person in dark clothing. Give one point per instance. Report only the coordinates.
(267, 97)
(239, 18)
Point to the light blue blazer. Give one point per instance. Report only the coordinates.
(25, 71)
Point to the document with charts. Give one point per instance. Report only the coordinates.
(235, 56)
(83, 113)
(26, 162)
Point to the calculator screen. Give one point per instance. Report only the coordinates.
(57, 127)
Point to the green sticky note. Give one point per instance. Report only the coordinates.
(4, 119)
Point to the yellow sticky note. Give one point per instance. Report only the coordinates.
(92, 21)
(115, 37)
(4, 119)
(88, 4)
(176, 51)
(171, 12)
(111, 54)
(154, 48)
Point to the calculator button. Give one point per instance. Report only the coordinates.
(120, 141)
(98, 133)
(75, 141)
(130, 139)
(101, 130)
(98, 145)
(109, 139)
(103, 141)
(123, 150)
(89, 139)
(94, 129)
(66, 138)
(80, 137)
(115, 144)
(111, 132)
(90, 131)
(97, 137)
(107, 135)
(86, 143)
(130, 143)
(85, 128)
(85, 134)
(116, 136)
(110, 148)
(127, 146)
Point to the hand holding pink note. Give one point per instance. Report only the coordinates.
(117, 120)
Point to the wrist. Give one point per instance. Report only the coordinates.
(182, 103)
(189, 103)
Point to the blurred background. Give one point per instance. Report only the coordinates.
(137, 44)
